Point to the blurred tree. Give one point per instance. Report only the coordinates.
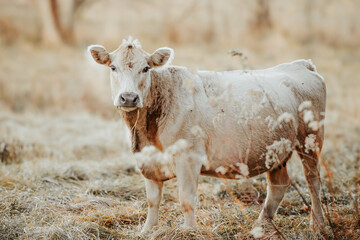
(262, 19)
(171, 22)
(57, 20)
(49, 33)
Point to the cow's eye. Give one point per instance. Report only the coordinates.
(113, 68)
(145, 69)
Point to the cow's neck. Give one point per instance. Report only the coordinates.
(144, 123)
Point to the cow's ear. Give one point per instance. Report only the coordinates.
(162, 56)
(99, 54)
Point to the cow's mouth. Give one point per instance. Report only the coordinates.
(126, 109)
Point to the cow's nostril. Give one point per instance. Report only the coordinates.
(122, 99)
(136, 99)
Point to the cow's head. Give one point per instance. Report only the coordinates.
(130, 71)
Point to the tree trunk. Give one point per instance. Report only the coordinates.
(50, 34)
(66, 15)
(262, 18)
(57, 20)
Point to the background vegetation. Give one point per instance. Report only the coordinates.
(66, 170)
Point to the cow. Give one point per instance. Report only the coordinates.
(232, 124)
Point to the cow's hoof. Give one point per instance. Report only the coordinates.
(257, 232)
(261, 229)
(147, 228)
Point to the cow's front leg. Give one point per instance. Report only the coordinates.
(153, 193)
(188, 171)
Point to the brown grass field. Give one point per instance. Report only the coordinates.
(66, 169)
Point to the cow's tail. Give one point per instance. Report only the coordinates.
(306, 63)
(309, 65)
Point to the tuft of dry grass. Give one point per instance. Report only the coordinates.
(178, 233)
(10, 152)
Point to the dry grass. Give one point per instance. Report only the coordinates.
(66, 171)
(70, 175)
(177, 233)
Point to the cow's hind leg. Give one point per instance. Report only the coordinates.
(312, 175)
(278, 181)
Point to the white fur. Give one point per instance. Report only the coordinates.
(169, 61)
(240, 117)
(92, 47)
(131, 41)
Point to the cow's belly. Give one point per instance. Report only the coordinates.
(233, 168)
(249, 133)
(235, 158)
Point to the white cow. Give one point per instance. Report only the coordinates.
(225, 124)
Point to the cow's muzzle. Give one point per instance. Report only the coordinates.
(128, 101)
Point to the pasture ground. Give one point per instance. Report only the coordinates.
(67, 171)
